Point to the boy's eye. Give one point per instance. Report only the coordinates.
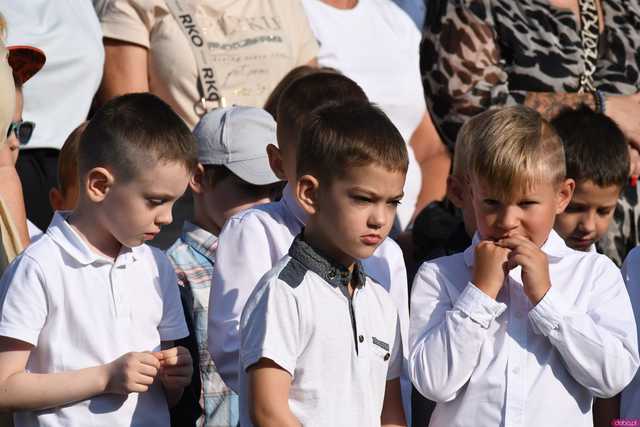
(395, 203)
(528, 203)
(490, 203)
(605, 211)
(155, 202)
(361, 199)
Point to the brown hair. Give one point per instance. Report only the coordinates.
(513, 148)
(68, 160)
(135, 131)
(271, 105)
(335, 138)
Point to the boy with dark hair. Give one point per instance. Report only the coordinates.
(264, 234)
(320, 340)
(519, 329)
(233, 174)
(88, 313)
(597, 159)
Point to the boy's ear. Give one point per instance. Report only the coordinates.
(56, 199)
(307, 193)
(565, 193)
(98, 183)
(275, 161)
(455, 191)
(197, 180)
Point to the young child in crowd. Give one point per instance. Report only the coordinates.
(233, 174)
(630, 398)
(320, 340)
(88, 313)
(519, 329)
(65, 196)
(253, 241)
(598, 161)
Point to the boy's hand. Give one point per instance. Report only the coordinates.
(131, 373)
(534, 263)
(176, 367)
(490, 267)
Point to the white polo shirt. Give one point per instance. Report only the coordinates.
(250, 244)
(340, 351)
(79, 310)
(630, 400)
(505, 362)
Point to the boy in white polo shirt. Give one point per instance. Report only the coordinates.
(519, 330)
(320, 340)
(253, 241)
(88, 313)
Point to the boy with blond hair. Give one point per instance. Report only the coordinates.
(89, 313)
(519, 329)
(320, 340)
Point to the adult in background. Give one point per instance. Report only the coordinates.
(548, 55)
(59, 97)
(376, 44)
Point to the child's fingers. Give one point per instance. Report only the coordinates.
(148, 359)
(148, 370)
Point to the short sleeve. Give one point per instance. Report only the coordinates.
(128, 21)
(269, 327)
(302, 35)
(173, 325)
(23, 300)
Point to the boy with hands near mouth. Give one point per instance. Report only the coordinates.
(519, 330)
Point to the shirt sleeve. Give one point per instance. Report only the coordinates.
(270, 327)
(242, 259)
(631, 274)
(23, 300)
(173, 325)
(446, 332)
(302, 35)
(128, 21)
(599, 346)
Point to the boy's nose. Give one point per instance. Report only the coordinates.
(377, 217)
(165, 217)
(588, 222)
(508, 219)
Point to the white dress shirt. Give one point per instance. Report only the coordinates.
(630, 400)
(250, 244)
(505, 362)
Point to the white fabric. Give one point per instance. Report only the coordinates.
(505, 362)
(58, 98)
(377, 45)
(250, 244)
(33, 229)
(630, 400)
(305, 331)
(80, 310)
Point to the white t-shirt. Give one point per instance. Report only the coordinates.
(59, 96)
(80, 310)
(377, 45)
(630, 400)
(339, 353)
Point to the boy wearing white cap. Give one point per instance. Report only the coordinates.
(233, 174)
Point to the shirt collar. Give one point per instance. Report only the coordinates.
(290, 202)
(199, 239)
(554, 247)
(70, 241)
(332, 272)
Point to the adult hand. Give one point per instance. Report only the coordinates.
(625, 111)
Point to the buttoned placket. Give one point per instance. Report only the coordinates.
(357, 339)
(516, 338)
(117, 270)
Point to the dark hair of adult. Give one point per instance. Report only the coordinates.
(133, 132)
(595, 147)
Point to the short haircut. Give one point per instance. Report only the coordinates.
(513, 148)
(133, 132)
(307, 93)
(595, 148)
(460, 165)
(68, 160)
(335, 138)
(271, 104)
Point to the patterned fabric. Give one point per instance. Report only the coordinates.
(478, 54)
(193, 257)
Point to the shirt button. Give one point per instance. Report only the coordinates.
(516, 370)
(361, 338)
(386, 357)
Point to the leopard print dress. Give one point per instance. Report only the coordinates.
(478, 54)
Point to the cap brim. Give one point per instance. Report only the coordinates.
(25, 61)
(255, 171)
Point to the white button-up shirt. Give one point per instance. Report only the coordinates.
(79, 309)
(250, 244)
(507, 363)
(630, 400)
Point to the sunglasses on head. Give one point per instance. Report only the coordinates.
(22, 129)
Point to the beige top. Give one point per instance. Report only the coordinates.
(252, 45)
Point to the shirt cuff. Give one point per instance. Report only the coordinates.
(547, 314)
(252, 357)
(480, 307)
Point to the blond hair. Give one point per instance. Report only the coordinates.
(513, 148)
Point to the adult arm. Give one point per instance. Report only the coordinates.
(125, 69)
(446, 332)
